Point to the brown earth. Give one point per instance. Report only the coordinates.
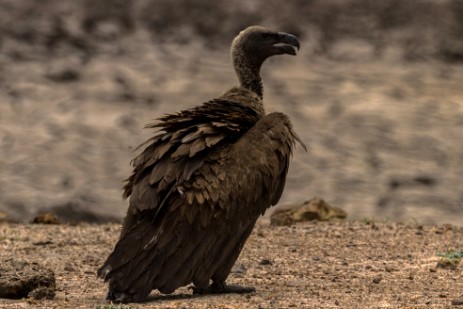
(310, 265)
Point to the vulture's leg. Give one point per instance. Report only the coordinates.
(222, 288)
(122, 297)
(218, 285)
(115, 295)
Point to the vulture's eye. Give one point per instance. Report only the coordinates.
(267, 36)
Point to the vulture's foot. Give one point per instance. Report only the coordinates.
(222, 288)
(122, 297)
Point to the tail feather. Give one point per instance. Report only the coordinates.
(179, 271)
(127, 249)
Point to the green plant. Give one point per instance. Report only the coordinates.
(452, 255)
(450, 259)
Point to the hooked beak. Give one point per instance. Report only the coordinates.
(287, 44)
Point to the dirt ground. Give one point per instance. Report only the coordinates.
(310, 265)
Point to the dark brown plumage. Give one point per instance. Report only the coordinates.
(199, 186)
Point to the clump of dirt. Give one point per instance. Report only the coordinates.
(314, 209)
(20, 278)
(46, 218)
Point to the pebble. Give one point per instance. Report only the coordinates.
(265, 262)
(238, 268)
(69, 267)
(42, 243)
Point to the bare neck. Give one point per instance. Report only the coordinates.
(248, 73)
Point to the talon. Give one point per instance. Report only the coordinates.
(220, 288)
(195, 290)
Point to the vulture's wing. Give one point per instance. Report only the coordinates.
(181, 148)
(247, 177)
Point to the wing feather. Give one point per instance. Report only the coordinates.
(252, 170)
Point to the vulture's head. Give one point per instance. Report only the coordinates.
(256, 43)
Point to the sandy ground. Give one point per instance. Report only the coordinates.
(311, 265)
(384, 137)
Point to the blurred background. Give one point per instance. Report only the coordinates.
(376, 94)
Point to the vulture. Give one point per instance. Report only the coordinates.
(200, 184)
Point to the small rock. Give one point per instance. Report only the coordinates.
(265, 262)
(42, 243)
(63, 75)
(46, 218)
(42, 292)
(317, 258)
(457, 302)
(445, 263)
(390, 269)
(400, 182)
(377, 280)
(314, 209)
(69, 267)
(238, 269)
(90, 260)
